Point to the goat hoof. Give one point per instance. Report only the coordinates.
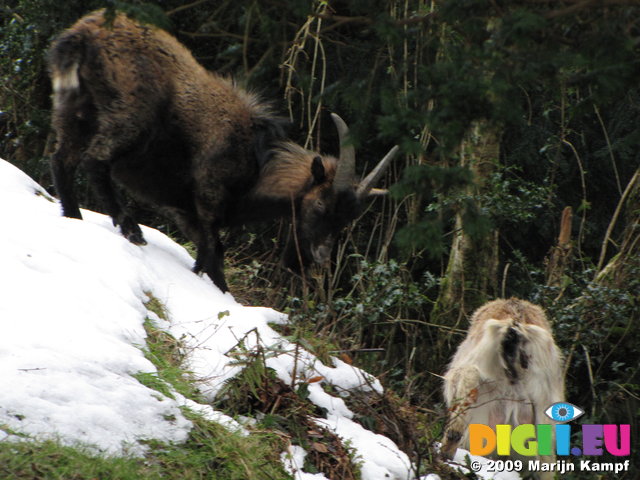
(72, 213)
(135, 237)
(131, 230)
(138, 241)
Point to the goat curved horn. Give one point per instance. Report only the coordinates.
(365, 188)
(346, 169)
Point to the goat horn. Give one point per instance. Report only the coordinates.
(346, 169)
(365, 188)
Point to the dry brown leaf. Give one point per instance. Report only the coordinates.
(346, 358)
(320, 447)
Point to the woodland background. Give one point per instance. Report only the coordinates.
(519, 126)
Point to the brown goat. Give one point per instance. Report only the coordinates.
(508, 370)
(132, 105)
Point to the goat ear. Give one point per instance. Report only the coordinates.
(317, 171)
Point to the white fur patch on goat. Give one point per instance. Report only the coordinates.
(67, 80)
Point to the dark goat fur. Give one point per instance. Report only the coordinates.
(132, 105)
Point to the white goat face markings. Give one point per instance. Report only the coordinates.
(563, 412)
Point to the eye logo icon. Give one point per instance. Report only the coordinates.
(563, 412)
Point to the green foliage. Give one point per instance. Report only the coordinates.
(376, 324)
(245, 390)
(443, 189)
(382, 292)
(509, 198)
(425, 233)
(597, 325)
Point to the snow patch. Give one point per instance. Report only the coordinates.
(293, 460)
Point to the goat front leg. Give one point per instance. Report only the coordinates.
(210, 202)
(100, 179)
(461, 393)
(63, 168)
(116, 132)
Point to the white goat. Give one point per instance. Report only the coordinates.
(508, 370)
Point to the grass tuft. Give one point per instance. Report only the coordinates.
(168, 355)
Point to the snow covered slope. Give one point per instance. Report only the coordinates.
(72, 307)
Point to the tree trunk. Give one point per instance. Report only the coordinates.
(560, 255)
(471, 275)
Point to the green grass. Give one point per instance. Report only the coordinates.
(50, 460)
(211, 452)
(168, 355)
